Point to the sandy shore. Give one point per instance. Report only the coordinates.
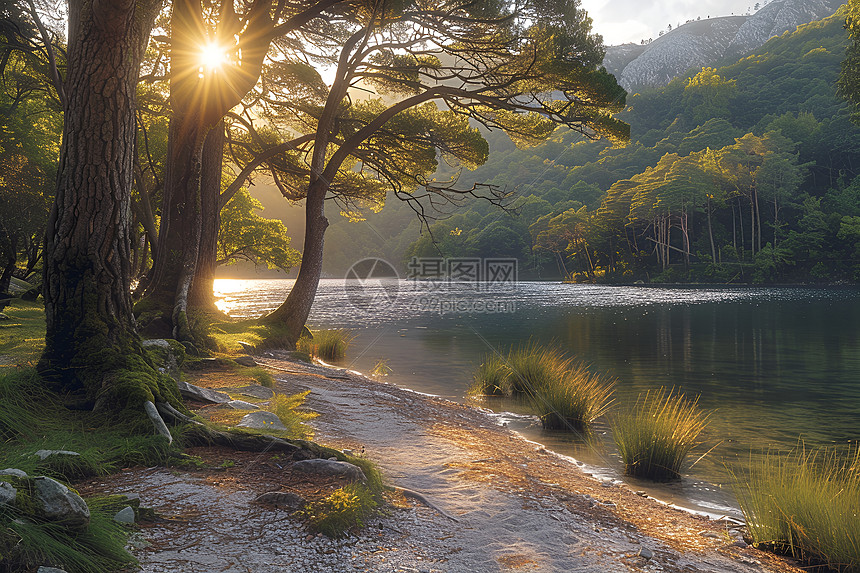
(517, 506)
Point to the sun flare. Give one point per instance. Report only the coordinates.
(212, 56)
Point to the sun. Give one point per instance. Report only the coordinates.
(212, 56)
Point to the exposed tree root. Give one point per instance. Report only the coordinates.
(420, 498)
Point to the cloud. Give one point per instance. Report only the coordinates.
(622, 21)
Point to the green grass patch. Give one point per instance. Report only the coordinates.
(805, 503)
(563, 392)
(326, 344)
(226, 334)
(492, 378)
(261, 376)
(574, 400)
(656, 436)
(344, 509)
(22, 337)
(287, 409)
(27, 544)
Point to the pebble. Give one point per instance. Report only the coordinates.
(646, 553)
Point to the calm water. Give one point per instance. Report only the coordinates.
(776, 365)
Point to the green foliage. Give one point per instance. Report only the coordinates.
(244, 235)
(574, 401)
(656, 436)
(381, 368)
(262, 376)
(326, 344)
(287, 409)
(22, 337)
(722, 162)
(492, 378)
(806, 504)
(26, 544)
(563, 392)
(345, 508)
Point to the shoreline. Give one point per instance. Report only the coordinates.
(601, 473)
(502, 460)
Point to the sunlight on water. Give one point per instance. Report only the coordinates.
(774, 364)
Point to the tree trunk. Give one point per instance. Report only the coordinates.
(202, 286)
(91, 348)
(711, 234)
(294, 312)
(6, 277)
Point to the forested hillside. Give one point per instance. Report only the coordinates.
(744, 173)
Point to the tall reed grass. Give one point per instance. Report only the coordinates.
(326, 344)
(575, 400)
(656, 436)
(564, 394)
(805, 503)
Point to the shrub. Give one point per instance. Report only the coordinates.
(655, 437)
(326, 344)
(806, 504)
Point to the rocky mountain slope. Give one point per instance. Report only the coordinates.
(705, 42)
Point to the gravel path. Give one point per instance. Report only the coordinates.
(518, 507)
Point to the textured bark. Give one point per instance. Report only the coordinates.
(199, 99)
(90, 338)
(210, 188)
(294, 311)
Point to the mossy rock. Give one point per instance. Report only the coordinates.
(167, 354)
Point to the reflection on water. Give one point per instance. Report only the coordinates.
(775, 364)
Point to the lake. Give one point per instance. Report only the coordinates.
(775, 365)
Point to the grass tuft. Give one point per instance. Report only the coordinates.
(655, 437)
(326, 344)
(564, 393)
(28, 544)
(286, 408)
(262, 376)
(805, 503)
(574, 400)
(344, 509)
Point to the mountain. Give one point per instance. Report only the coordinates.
(703, 43)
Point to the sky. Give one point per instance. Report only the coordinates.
(620, 21)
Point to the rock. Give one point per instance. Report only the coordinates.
(646, 553)
(285, 499)
(257, 391)
(125, 515)
(706, 42)
(13, 472)
(241, 405)
(330, 468)
(56, 502)
(740, 543)
(709, 534)
(192, 392)
(30, 295)
(167, 354)
(245, 361)
(8, 493)
(261, 420)
(43, 454)
(44, 569)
